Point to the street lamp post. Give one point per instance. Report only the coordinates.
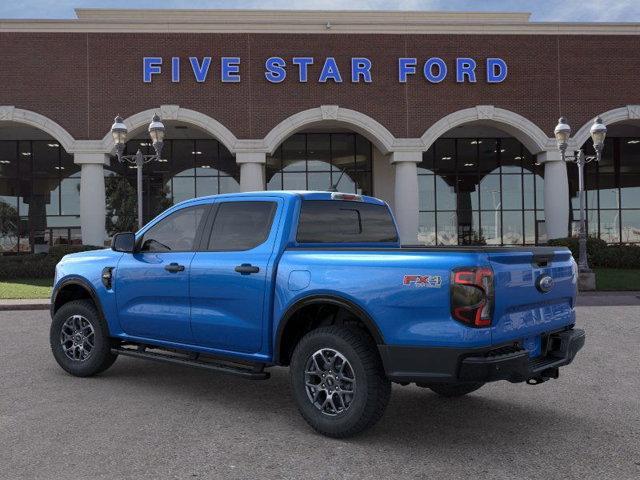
(598, 133)
(156, 132)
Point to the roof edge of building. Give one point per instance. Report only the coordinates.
(310, 21)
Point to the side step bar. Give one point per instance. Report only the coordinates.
(251, 372)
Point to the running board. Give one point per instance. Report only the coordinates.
(255, 372)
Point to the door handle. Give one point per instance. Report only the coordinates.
(174, 268)
(247, 269)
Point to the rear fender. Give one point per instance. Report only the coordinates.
(324, 299)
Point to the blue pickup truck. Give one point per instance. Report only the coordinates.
(319, 282)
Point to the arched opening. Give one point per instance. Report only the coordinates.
(328, 146)
(194, 164)
(480, 185)
(39, 190)
(319, 158)
(612, 186)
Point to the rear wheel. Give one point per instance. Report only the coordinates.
(451, 390)
(79, 339)
(338, 381)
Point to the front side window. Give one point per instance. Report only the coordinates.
(175, 233)
(241, 225)
(335, 221)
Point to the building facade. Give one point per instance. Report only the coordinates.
(448, 117)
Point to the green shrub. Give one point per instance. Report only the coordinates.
(602, 255)
(41, 265)
(619, 256)
(594, 246)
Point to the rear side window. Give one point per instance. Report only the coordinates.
(336, 221)
(241, 225)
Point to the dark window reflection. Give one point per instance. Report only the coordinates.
(316, 161)
(612, 191)
(479, 191)
(39, 196)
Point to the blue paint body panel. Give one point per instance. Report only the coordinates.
(210, 308)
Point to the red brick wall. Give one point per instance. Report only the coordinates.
(82, 80)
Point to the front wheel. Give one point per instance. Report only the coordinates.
(338, 381)
(80, 340)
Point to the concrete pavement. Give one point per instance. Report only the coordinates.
(147, 420)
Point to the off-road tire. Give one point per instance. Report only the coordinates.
(372, 387)
(100, 357)
(452, 390)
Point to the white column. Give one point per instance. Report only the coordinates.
(92, 197)
(251, 170)
(556, 194)
(406, 199)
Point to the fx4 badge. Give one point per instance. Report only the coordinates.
(429, 281)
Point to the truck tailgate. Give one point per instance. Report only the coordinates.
(528, 305)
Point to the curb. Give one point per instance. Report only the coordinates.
(13, 305)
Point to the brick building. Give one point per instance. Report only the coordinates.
(449, 117)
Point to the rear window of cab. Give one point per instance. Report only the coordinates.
(338, 221)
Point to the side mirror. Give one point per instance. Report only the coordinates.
(124, 242)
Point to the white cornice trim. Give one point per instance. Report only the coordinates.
(261, 16)
(307, 21)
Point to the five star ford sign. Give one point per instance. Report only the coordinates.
(361, 69)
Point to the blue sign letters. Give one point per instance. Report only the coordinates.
(327, 70)
(330, 71)
(496, 70)
(428, 70)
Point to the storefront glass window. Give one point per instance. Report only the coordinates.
(316, 161)
(479, 191)
(612, 192)
(39, 196)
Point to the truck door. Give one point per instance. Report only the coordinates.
(152, 285)
(228, 281)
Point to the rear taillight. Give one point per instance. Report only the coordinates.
(472, 296)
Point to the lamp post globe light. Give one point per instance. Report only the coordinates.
(156, 132)
(562, 133)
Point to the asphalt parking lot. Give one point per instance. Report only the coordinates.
(148, 420)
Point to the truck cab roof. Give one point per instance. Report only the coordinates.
(304, 194)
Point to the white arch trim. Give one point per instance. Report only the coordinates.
(175, 112)
(9, 113)
(617, 115)
(516, 125)
(382, 138)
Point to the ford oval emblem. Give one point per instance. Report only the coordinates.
(544, 283)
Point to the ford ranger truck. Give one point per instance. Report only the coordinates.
(318, 282)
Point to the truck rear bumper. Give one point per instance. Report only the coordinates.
(508, 362)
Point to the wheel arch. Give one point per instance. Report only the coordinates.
(319, 300)
(74, 288)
